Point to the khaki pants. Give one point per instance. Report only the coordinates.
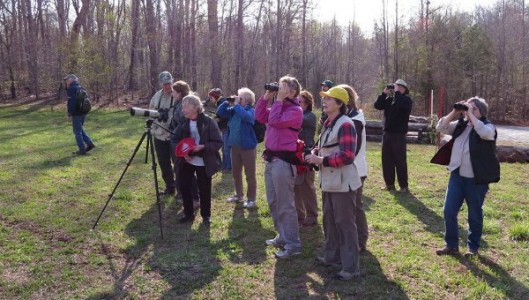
(306, 200)
(361, 220)
(339, 226)
(244, 158)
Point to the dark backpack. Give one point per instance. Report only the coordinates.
(83, 101)
(260, 130)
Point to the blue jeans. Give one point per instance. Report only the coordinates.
(226, 155)
(81, 137)
(459, 189)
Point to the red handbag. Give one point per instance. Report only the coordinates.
(442, 156)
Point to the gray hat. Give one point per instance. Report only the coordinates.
(70, 76)
(165, 77)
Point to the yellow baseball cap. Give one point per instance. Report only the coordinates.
(336, 93)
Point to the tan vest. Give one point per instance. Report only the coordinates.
(340, 179)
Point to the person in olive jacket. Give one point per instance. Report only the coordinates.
(203, 160)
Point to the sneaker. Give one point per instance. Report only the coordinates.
(447, 251)
(286, 253)
(344, 275)
(274, 242)
(471, 253)
(249, 204)
(322, 261)
(90, 147)
(234, 198)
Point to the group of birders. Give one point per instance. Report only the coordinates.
(294, 153)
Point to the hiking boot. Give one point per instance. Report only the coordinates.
(79, 152)
(322, 261)
(286, 253)
(90, 147)
(471, 253)
(404, 190)
(168, 191)
(389, 188)
(447, 251)
(186, 219)
(344, 275)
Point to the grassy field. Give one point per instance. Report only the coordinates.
(50, 199)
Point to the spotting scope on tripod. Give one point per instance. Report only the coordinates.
(147, 134)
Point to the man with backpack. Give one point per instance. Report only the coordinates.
(77, 115)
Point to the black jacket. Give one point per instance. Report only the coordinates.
(397, 111)
(210, 137)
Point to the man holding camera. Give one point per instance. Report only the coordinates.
(397, 105)
(163, 102)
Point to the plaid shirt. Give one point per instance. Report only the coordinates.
(347, 144)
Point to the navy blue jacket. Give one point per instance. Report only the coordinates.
(72, 91)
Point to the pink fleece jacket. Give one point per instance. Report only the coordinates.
(283, 121)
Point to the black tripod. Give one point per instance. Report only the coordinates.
(148, 134)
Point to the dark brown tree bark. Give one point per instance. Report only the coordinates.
(150, 25)
(135, 19)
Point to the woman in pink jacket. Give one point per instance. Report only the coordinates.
(282, 114)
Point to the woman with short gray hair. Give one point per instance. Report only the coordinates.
(203, 160)
(243, 142)
(473, 165)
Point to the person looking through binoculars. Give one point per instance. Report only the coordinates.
(397, 105)
(283, 120)
(243, 142)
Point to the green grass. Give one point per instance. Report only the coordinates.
(50, 199)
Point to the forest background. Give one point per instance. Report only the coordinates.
(118, 48)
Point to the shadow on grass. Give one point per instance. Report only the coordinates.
(496, 278)
(247, 236)
(185, 259)
(303, 278)
(432, 221)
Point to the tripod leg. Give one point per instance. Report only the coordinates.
(147, 149)
(158, 201)
(120, 178)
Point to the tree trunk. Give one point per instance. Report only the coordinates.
(150, 25)
(135, 18)
(240, 44)
(214, 44)
(80, 22)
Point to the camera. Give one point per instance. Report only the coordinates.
(390, 86)
(460, 106)
(307, 151)
(273, 86)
